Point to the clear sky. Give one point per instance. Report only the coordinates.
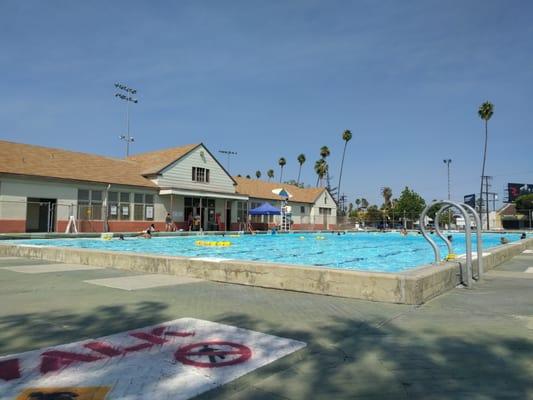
(276, 78)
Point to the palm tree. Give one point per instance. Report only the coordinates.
(485, 112)
(270, 174)
(346, 136)
(386, 192)
(248, 177)
(281, 163)
(325, 153)
(321, 169)
(301, 160)
(258, 174)
(357, 203)
(364, 203)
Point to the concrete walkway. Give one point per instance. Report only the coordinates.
(466, 344)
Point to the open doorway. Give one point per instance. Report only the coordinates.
(40, 214)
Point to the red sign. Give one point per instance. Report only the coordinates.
(213, 354)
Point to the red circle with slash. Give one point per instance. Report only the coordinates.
(213, 354)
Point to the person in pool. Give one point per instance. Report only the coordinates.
(169, 226)
(523, 236)
(504, 240)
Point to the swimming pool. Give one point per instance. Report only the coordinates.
(383, 252)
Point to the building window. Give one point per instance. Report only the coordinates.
(325, 199)
(89, 204)
(324, 211)
(242, 211)
(143, 207)
(302, 209)
(200, 174)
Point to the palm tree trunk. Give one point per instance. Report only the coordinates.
(281, 175)
(299, 172)
(483, 175)
(340, 175)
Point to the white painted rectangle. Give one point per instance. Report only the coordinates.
(175, 360)
(47, 268)
(137, 282)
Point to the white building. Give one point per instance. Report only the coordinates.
(41, 187)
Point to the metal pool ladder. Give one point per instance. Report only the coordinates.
(467, 275)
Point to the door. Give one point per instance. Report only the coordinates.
(228, 217)
(40, 214)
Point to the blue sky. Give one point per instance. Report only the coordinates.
(276, 78)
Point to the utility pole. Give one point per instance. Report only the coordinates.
(228, 153)
(125, 93)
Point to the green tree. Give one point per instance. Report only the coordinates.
(301, 160)
(485, 113)
(248, 177)
(524, 203)
(364, 203)
(373, 215)
(445, 218)
(386, 192)
(325, 153)
(346, 136)
(409, 205)
(281, 163)
(258, 174)
(358, 203)
(321, 169)
(270, 174)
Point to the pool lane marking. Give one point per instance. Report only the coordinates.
(175, 360)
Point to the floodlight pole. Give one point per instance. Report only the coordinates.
(448, 161)
(228, 153)
(129, 99)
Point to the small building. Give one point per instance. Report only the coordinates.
(41, 187)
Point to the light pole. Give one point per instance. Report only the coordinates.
(125, 93)
(448, 161)
(228, 153)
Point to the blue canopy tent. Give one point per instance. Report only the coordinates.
(265, 209)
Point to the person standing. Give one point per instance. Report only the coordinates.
(168, 223)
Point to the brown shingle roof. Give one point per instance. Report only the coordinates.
(263, 190)
(25, 159)
(154, 161)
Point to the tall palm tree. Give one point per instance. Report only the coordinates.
(270, 174)
(321, 169)
(281, 163)
(248, 177)
(357, 202)
(386, 192)
(346, 136)
(364, 203)
(325, 153)
(258, 174)
(301, 160)
(485, 113)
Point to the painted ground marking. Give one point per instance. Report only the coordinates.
(175, 360)
(47, 268)
(147, 281)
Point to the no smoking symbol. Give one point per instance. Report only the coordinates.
(213, 354)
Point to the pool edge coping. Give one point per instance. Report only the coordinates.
(414, 286)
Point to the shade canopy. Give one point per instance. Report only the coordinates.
(265, 209)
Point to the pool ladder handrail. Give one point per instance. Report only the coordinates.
(466, 273)
(479, 239)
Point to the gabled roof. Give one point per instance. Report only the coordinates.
(25, 159)
(260, 189)
(153, 162)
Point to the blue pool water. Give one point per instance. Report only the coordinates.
(387, 252)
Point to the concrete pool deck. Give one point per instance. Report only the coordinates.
(465, 344)
(414, 286)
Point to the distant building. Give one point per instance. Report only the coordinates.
(40, 188)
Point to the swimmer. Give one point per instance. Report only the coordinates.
(403, 232)
(449, 237)
(504, 240)
(121, 237)
(523, 236)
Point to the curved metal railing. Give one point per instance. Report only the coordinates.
(466, 273)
